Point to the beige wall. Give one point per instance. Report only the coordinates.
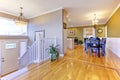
(113, 40)
(103, 31)
(114, 25)
(52, 23)
(79, 31)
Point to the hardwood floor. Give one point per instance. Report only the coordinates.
(76, 65)
(109, 60)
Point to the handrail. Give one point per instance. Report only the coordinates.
(36, 52)
(24, 60)
(27, 50)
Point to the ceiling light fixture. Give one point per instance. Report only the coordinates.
(95, 20)
(20, 19)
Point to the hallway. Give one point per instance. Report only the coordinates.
(76, 65)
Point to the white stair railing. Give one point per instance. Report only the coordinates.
(24, 60)
(48, 42)
(37, 52)
(33, 53)
(30, 56)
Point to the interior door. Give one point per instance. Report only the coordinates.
(9, 55)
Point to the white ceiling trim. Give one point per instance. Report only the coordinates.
(60, 8)
(113, 13)
(87, 25)
(7, 13)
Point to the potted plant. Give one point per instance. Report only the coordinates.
(80, 42)
(53, 50)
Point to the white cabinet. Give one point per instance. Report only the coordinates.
(70, 43)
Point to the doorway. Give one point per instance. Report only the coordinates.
(39, 35)
(88, 32)
(9, 56)
(39, 38)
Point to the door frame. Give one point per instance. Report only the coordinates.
(0, 59)
(41, 55)
(39, 31)
(3, 55)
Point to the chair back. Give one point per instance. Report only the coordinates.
(103, 43)
(94, 42)
(104, 40)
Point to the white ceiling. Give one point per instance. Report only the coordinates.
(80, 11)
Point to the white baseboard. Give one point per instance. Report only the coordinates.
(36, 61)
(114, 45)
(14, 74)
(115, 51)
(61, 55)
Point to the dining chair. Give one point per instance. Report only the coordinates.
(86, 44)
(102, 44)
(95, 45)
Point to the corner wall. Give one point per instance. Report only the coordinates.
(52, 23)
(114, 25)
(113, 40)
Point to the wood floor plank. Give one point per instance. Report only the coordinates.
(76, 65)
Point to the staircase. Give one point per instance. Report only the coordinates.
(37, 52)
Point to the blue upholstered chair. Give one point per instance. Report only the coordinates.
(86, 44)
(95, 45)
(102, 44)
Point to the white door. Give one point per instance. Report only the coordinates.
(9, 56)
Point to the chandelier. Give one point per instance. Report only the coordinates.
(20, 19)
(95, 21)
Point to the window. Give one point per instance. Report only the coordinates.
(8, 27)
(88, 32)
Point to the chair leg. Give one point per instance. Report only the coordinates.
(98, 52)
(103, 53)
(103, 50)
(86, 48)
(91, 50)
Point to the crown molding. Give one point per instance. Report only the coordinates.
(8, 15)
(113, 12)
(5, 12)
(60, 8)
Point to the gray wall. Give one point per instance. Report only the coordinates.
(52, 24)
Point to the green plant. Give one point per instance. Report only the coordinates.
(53, 50)
(80, 42)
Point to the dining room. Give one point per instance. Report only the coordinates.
(100, 44)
